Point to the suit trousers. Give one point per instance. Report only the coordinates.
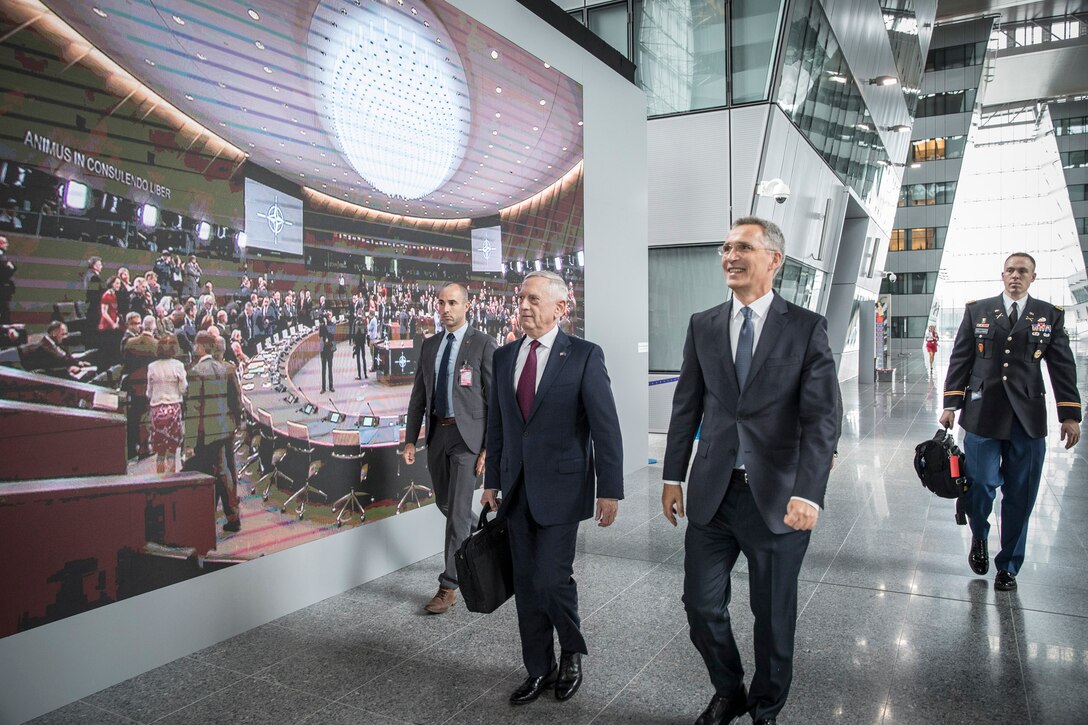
(544, 588)
(137, 439)
(774, 561)
(453, 473)
(326, 367)
(212, 459)
(1016, 467)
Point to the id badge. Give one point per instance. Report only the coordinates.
(466, 377)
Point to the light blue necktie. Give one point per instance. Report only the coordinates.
(743, 361)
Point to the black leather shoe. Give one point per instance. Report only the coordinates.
(570, 676)
(722, 710)
(979, 558)
(1005, 582)
(532, 687)
(765, 721)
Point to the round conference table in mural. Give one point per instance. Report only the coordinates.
(274, 394)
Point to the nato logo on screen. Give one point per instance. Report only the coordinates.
(487, 249)
(273, 219)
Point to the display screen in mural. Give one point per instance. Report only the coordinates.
(183, 203)
(273, 220)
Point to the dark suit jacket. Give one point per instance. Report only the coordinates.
(137, 353)
(995, 373)
(212, 403)
(571, 443)
(785, 418)
(469, 402)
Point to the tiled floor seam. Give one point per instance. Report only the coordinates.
(642, 669)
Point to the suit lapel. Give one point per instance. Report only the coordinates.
(724, 349)
(427, 353)
(462, 352)
(556, 359)
(773, 327)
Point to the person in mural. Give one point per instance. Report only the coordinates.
(553, 446)
(166, 384)
(7, 282)
(995, 379)
(450, 392)
(109, 323)
(139, 352)
(327, 331)
(51, 355)
(932, 340)
(212, 412)
(758, 378)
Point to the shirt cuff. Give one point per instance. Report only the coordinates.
(813, 504)
(672, 483)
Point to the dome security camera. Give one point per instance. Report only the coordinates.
(776, 189)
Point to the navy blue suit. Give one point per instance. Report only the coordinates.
(786, 421)
(553, 466)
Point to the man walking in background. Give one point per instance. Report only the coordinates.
(995, 377)
(450, 392)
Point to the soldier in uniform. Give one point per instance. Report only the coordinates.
(995, 379)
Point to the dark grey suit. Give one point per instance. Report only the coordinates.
(785, 421)
(452, 449)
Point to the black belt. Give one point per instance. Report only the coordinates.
(444, 421)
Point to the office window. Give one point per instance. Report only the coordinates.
(898, 240)
(1078, 192)
(937, 192)
(935, 149)
(800, 284)
(1074, 159)
(942, 104)
(956, 56)
(1082, 224)
(1071, 126)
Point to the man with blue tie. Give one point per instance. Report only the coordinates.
(758, 375)
(450, 391)
(995, 379)
(554, 444)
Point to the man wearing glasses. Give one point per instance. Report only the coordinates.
(758, 375)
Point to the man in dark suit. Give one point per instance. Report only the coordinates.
(450, 392)
(995, 377)
(137, 353)
(212, 411)
(50, 355)
(758, 375)
(250, 328)
(327, 331)
(553, 445)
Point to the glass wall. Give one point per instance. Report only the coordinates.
(942, 104)
(917, 239)
(754, 38)
(901, 21)
(935, 149)
(956, 56)
(800, 284)
(1071, 126)
(819, 95)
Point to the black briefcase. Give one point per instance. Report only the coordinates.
(485, 571)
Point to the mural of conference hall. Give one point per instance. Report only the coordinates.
(226, 182)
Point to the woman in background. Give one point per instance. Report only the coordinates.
(166, 384)
(931, 344)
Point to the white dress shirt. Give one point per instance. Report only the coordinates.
(1020, 304)
(760, 308)
(547, 342)
(458, 337)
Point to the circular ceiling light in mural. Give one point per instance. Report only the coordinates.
(391, 93)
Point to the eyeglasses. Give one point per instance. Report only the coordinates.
(740, 248)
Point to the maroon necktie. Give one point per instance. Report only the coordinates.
(527, 382)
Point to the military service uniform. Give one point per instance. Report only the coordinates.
(995, 379)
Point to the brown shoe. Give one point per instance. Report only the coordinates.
(442, 601)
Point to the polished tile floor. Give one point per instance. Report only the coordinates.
(893, 627)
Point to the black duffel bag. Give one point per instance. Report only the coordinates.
(939, 464)
(485, 571)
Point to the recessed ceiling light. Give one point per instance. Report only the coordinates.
(179, 20)
(254, 14)
(498, 90)
(495, 54)
(188, 97)
(100, 13)
(498, 115)
(536, 128)
(526, 148)
(267, 69)
(494, 133)
(564, 148)
(259, 44)
(149, 62)
(201, 56)
(579, 123)
(263, 128)
(275, 89)
(547, 65)
(543, 102)
(277, 161)
(223, 124)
